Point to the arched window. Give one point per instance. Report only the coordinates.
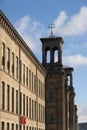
(51, 96)
(52, 118)
(55, 56)
(48, 55)
(68, 80)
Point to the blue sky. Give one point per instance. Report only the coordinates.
(31, 19)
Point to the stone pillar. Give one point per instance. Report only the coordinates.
(61, 124)
(76, 118)
(71, 109)
(60, 54)
(44, 56)
(67, 108)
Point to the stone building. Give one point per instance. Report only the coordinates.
(34, 96)
(22, 82)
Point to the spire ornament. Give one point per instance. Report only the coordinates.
(51, 26)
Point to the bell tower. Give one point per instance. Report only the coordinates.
(52, 51)
(55, 82)
(53, 45)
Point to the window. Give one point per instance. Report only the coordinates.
(35, 109)
(3, 56)
(32, 82)
(48, 56)
(39, 88)
(43, 114)
(43, 91)
(55, 56)
(35, 83)
(16, 126)
(30, 108)
(68, 80)
(27, 76)
(16, 67)
(23, 104)
(12, 126)
(20, 103)
(23, 73)
(8, 60)
(51, 118)
(16, 101)
(20, 127)
(30, 79)
(51, 96)
(2, 126)
(3, 95)
(7, 126)
(24, 127)
(29, 128)
(27, 106)
(39, 112)
(8, 97)
(20, 71)
(12, 64)
(12, 99)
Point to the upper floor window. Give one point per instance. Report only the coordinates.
(48, 56)
(16, 101)
(20, 103)
(3, 95)
(24, 104)
(55, 56)
(27, 76)
(8, 60)
(12, 99)
(27, 106)
(16, 67)
(30, 79)
(3, 56)
(68, 80)
(51, 96)
(20, 75)
(30, 108)
(23, 73)
(52, 118)
(8, 97)
(12, 63)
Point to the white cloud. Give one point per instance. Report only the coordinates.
(82, 113)
(72, 26)
(31, 31)
(60, 19)
(75, 60)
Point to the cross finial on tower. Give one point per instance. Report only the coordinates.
(51, 26)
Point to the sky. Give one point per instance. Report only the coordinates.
(31, 19)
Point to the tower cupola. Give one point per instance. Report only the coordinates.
(52, 51)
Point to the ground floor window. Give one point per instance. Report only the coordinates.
(2, 126)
